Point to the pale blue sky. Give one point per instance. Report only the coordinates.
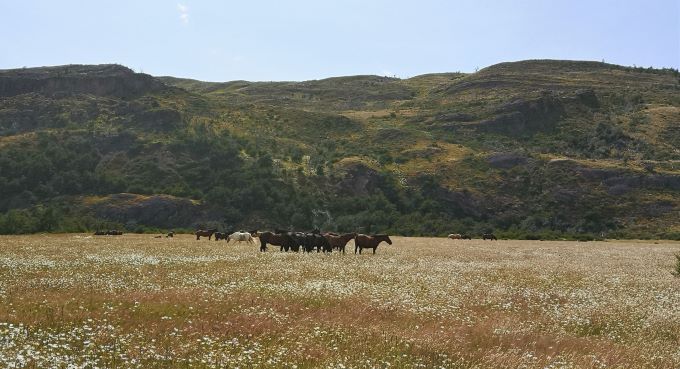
(311, 39)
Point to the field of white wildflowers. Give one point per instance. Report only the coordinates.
(133, 301)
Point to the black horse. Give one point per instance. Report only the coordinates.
(465, 237)
(489, 236)
(316, 241)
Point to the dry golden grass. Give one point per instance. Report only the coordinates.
(136, 301)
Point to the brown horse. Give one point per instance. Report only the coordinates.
(205, 233)
(363, 241)
(277, 239)
(339, 241)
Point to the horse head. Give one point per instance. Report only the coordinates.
(383, 237)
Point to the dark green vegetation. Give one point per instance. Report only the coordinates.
(534, 149)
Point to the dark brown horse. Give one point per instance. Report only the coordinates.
(363, 241)
(205, 233)
(339, 241)
(311, 241)
(277, 239)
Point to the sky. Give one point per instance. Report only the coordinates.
(260, 40)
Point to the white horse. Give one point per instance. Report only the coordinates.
(455, 236)
(240, 237)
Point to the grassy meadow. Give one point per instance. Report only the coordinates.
(134, 301)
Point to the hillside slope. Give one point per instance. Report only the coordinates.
(537, 148)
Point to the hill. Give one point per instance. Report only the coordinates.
(538, 148)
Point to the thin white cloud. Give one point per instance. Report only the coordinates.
(183, 13)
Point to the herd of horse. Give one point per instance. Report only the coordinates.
(296, 241)
(306, 241)
(111, 232)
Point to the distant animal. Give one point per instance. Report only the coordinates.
(170, 234)
(455, 236)
(339, 241)
(240, 237)
(489, 236)
(465, 236)
(254, 233)
(100, 233)
(205, 233)
(220, 236)
(298, 239)
(277, 239)
(362, 241)
(316, 241)
(159, 236)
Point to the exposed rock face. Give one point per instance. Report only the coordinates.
(588, 98)
(619, 182)
(459, 203)
(99, 80)
(358, 179)
(525, 116)
(157, 210)
(506, 160)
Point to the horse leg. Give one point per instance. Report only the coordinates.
(263, 245)
(198, 237)
(356, 247)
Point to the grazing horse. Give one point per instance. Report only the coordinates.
(362, 241)
(339, 241)
(100, 233)
(489, 236)
(466, 236)
(277, 239)
(221, 236)
(205, 233)
(240, 237)
(455, 236)
(170, 234)
(114, 232)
